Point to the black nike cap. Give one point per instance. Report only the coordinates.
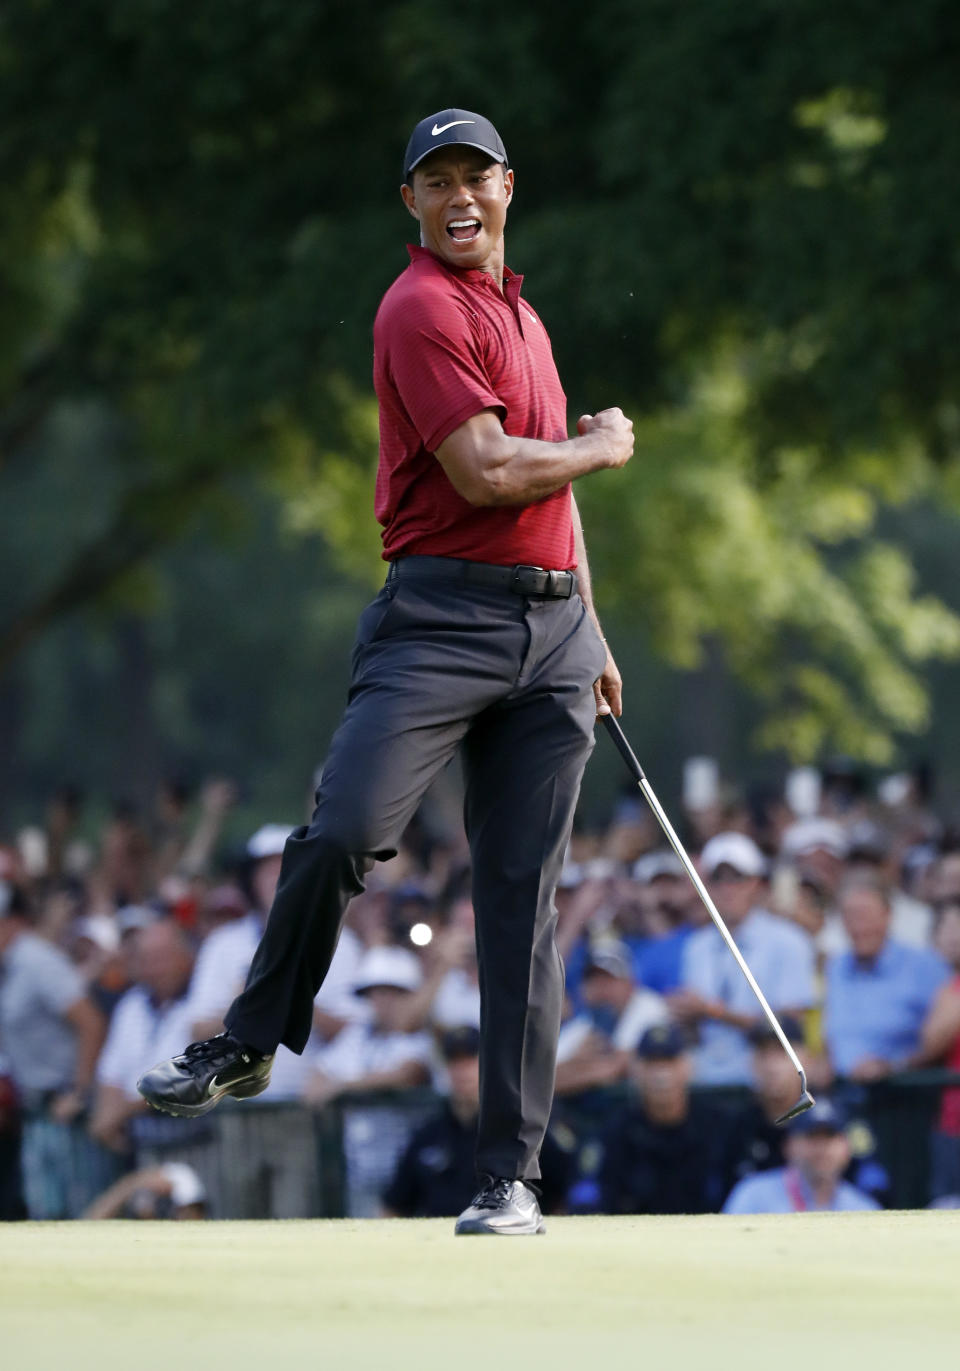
(453, 126)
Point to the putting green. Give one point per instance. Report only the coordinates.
(711, 1292)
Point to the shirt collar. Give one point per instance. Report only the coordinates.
(883, 962)
(511, 281)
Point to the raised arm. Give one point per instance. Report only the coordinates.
(489, 467)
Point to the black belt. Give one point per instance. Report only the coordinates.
(534, 581)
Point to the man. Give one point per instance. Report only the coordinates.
(435, 1174)
(879, 993)
(171, 1191)
(755, 1142)
(377, 1054)
(673, 910)
(152, 1016)
(273, 1168)
(472, 646)
(715, 997)
(817, 1153)
(660, 1154)
(51, 1034)
(596, 1045)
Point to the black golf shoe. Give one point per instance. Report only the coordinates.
(502, 1206)
(192, 1083)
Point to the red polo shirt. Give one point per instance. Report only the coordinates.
(446, 345)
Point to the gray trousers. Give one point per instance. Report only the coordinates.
(439, 665)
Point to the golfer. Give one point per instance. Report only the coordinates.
(483, 639)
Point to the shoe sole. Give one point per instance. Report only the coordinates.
(193, 1111)
(478, 1228)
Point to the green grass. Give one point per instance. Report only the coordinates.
(816, 1290)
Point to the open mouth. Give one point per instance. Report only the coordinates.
(464, 230)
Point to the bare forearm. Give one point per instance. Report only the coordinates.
(524, 470)
(90, 1027)
(489, 467)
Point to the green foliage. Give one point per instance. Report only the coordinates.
(738, 220)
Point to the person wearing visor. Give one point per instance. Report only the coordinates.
(483, 640)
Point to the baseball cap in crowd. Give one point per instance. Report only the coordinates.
(268, 841)
(762, 1035)
(611, 957)
(821, 1117)
(735, 850)
(662, 1042)
(453, 126)
(812, 835)
(135, 916)
(653, 865)
(388, 966)
(867, 841)
(100, 930)
(186, 1187)
(460, 1042)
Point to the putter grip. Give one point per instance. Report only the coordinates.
(623, 747)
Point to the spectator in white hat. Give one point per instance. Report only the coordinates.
(375, 1055)
(272, 1171)
(172, 1190)
(715, 998)
(596, 1044)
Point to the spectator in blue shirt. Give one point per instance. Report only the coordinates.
(715, 997)
(817, 1153)
(671, 905)
(878, 993)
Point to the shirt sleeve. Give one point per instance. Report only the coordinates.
(795, 986)
(695, 963)
(435, 362)
(61, 985)
(114, 1066)
(934, 973)
(218, 975)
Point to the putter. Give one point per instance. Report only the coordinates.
(636, 770)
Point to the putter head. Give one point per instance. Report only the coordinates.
(805, 1101)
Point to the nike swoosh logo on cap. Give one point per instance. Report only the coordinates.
(443, 127)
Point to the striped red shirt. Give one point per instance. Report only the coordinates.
(446, 345)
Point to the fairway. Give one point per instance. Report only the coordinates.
(700, 1292)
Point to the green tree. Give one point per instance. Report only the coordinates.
(738, 220)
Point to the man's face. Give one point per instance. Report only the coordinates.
(263, 880)
(460, 198)
(820, 1157)
(663, 1083)
(867, 921)
(387, 1006)
(162, 960)
(822, 866)
(774, 1075)
(733, 893)
(600, 988)
(464, 1075)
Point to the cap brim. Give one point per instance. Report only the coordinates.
(456, 142)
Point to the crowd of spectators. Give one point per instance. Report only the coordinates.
(119, 947)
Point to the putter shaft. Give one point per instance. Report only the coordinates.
(627, 753)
